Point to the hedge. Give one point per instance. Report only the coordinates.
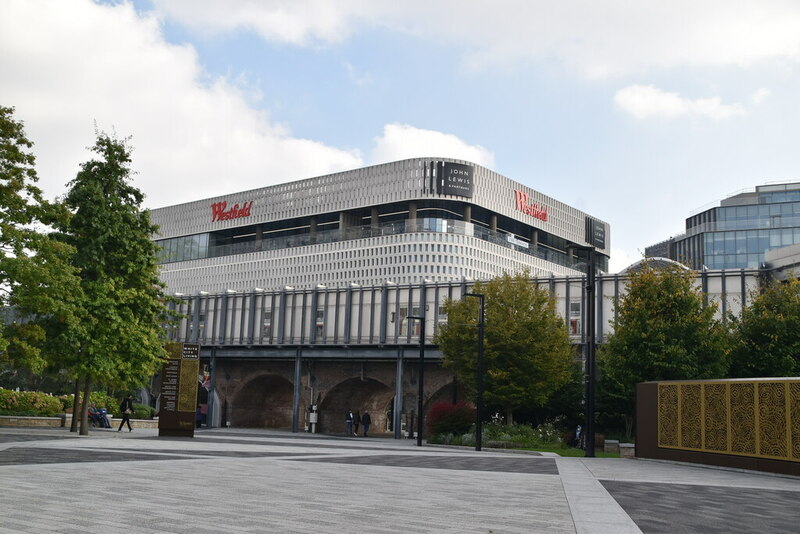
(30, 403)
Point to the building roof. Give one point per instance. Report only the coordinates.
(658, 263)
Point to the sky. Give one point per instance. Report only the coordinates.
(638, 112)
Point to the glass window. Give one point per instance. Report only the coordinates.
(752, 240)
(741, 242)
(786, 236)
(178, 252)
(774, 238)
(203, 245)
(267, 322)
(320, 323)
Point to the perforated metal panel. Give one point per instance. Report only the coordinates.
(749, 417)
(403, 258)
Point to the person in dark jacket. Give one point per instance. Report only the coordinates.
(126, 407)
(366, 420)
(348, 423)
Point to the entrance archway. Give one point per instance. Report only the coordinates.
(265, 401)
(446, 394)
(357, 395)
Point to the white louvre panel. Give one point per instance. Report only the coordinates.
(439, 256)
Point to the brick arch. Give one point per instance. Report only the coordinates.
(445, 394)
(358, 395)
(263, 401)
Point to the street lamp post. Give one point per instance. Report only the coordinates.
(591, 379)
(479, 373)
(420, 399)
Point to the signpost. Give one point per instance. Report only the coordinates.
(176, 415)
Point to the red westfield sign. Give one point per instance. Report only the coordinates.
(220, 211)
(534, 210)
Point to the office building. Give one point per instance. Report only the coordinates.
(737, 233)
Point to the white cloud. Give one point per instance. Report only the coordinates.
(401, 141)
(621, 259)
(648, 102)
(760, 95)
(358, 78)
(306, 22)
(597, 39)
(67, 64)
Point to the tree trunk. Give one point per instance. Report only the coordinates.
(87, 390)
(509, 415)
(628, 426)
(73, 427)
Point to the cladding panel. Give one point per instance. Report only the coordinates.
(744, 417)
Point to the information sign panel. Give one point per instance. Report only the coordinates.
(179, 390)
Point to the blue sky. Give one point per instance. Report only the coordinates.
(637, 112)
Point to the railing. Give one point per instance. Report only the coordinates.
(377, 315)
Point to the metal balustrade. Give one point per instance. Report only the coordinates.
(377, 315)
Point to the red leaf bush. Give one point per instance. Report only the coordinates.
(449, 418)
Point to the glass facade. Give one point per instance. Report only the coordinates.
(738, 233)
(190, 247)
(199, 246)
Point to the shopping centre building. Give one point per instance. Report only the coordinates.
(311, 297)
(402, 222)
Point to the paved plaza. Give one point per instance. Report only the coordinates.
(226, 480)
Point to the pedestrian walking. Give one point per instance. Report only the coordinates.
(348, 423)
(356, 422)
(366, 420)
(126, 407)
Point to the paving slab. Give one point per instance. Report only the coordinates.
(250, 480)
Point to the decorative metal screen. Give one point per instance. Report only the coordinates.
(758, 418)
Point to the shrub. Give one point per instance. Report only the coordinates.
(104, 400)
(31, 403)
(448, 418)
(99, 398)
(66, 402)
(522, 436)
(141, 411)
(450, 439)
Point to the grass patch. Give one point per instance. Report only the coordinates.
(570, 452)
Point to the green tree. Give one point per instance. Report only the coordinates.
(662, 332)
(36, 279)
(565, 405)
(766, 338)
(527, 353)
(121, 343)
